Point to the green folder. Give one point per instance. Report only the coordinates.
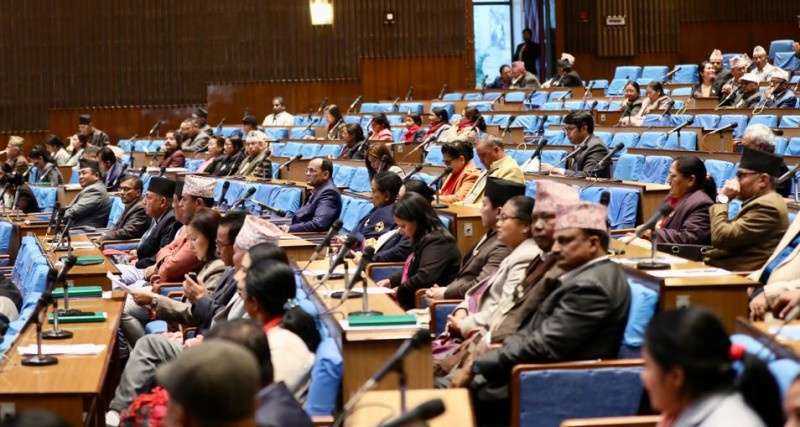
(383, 320)
(79, 292)
(97, 316)
(87, 260)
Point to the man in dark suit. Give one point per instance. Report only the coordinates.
(579, 127)
(565, 76)
(483, 259)
(92, 205)
(779, 95)
(582, 319)
(503, 81)
(134, 221)
(325, 203)
(158, 206)
(528, 51)
(110, 167)
(723, 74)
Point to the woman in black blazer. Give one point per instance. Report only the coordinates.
(434, 258)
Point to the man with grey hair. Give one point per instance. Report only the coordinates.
(279, 116)
(778, 94)
(498, 164)
(761, 66)
(760, 137)
(257, 163)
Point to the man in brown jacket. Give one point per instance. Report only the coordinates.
(747, 241)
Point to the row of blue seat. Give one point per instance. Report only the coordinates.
(278, 196)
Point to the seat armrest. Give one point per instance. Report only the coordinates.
(432, 309)
(322, 420)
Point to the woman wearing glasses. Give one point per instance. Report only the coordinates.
(458, 155)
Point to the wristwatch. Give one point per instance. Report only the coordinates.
(721, 198)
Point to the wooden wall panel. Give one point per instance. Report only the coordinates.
(119, 122)
(82, 53)
(615, 40)
(381, 79)
(667, 32)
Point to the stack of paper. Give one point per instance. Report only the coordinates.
(51, 349)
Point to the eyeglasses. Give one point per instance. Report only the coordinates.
(504, 217)
(740, 174)
(570, 129)
(222, 245)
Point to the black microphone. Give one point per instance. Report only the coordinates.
(337, 225)
(725, 100)
(394, 104)
(347, 246)
(564, 96)
(788, 175)
(540, 130)
(667, 110)
(777, 132)
(588, 90)
(576, 151)
(311, 121)
(670, 74)
(441, 92)
(384, 162)
(418, 415)
(409, 93)
(604, 161)
(225, 186)
(605, 198)
(53, 215)
(681, 126)
(65, 231)
(68, 264)
(322, 105)
(478, 121)
(142, 171)
(594, 105)
(59, 218)
(538, 151)
(416, 170)
(26, 175)
(219, 126)
(663, 211)
(353, 105)
(155, 127)
(420, 338)
(366, 258)
(731, 125)
(447, 171)
(264, 206)
(162, 171)
(290, 161)
(240, 202)
(508, 125)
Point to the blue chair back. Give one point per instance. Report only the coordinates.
(777, 46)
(537, 100)
(556, 137)
(472, 96)
(286, 198)
(644, 302)
(793, 149)
(552, 157)
(706, 121)
(326, 376)
(549, 396)
(654, 72)
(617, 87)
(681, 91)
(789, 121)
(780, 145)
(481, 106)
(651, 140)
(629, 167)
(784, 371)
(630, 139)
(688, 141)
(410, 108)
(787, 61)
(768, 120)
(342, 175)
(515, 96)
(739, 119)
(291, 149)
(455, 96)
(720, 170)
(687, 74)
(447, 106)
(360, 181)
(276, 133)
(628, 72)
(333, 150)
(656, 169)
(434, 156)
(558, 94)
(529, 123)
(117, 208)
(277, 148)
(300, 133)
(310, 150)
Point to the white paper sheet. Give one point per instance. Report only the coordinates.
(690, 272)
(372, 290)
(76, 349)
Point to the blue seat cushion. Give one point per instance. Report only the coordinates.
(326, 375)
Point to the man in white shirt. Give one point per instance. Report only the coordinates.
(279, 116)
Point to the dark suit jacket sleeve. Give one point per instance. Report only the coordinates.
(134, 227)
(594, 154)
(397, 250)
(579, 313)
(328, 208)
(433, 260)
(695, 229)
(570, 80)
(496, 84)
(458, 289)
(84, 206)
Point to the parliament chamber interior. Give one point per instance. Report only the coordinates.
(576, 213)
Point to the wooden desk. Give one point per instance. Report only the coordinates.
(468, 226)
(66, 193)
(725, 295)
(378, 406)
(295, 172)
(77, 384)
(84, 275)
(297, 249)
(783, 349)
(364, 352)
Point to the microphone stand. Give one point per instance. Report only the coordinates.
(40, 359)
(56, 333)
(652, 264)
